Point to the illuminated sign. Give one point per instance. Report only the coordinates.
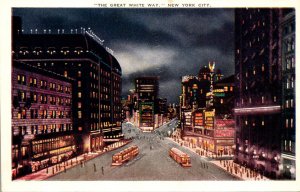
(219, 94)
(209, 118)
(224, 133)
(218, 91)
(225, 122)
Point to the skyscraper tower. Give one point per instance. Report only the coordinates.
(258, 89)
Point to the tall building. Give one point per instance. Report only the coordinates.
(146, 89)
(42, 123)
(258, 89)
(288, 143)
(224, 97)
(191, 92)
(97, 74)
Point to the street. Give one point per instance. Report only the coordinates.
(152, 163)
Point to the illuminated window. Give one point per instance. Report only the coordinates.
(262, 122)
(262, 99)
(221, 101)
(287, 83)
(274, 98)
(263, 67)
(79, 128)
(292, 82)
(287, 104)
(24, 151)
(66, 73)
(286, 123)
(79, 94)
(21, 79)
(293, 62)
(79, 83)
(225, 89)
(79, 114)
(246, 122)
(231, 88)
(292, 122)
(79, 74)
(79, 105)
(292, 102)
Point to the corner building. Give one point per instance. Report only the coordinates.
(42, 123)
(258, 89)
(97, 81)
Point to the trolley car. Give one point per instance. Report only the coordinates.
(124, 155)
(180, 157)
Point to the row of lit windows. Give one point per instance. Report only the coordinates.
(289, 103)
(262, 100)
(104, 96)
(43, 98)
(290, 83)
(290, 63)
(290, 45)
(289, 146)
(50, 51)
(230, 88)
(50, 144)
(41, 129)
(94, 126)
(43, 84)
(105, 115)
(43, 114)
(93, 75)
(289, 122)
(104, 73)
(262, 123)
(94, 85)
(94, 115)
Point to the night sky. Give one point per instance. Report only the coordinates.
(168, 43)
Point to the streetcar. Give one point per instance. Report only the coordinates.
(180, 157)
(125, 155)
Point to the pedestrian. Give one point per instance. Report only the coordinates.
(95, 167)
(102, 170)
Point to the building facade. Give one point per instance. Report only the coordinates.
(288, 143)
(42, 123)
(258, 89)
(97, 74)
(146, 89)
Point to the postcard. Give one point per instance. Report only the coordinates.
(149, 96)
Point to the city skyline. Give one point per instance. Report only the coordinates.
(168, 43)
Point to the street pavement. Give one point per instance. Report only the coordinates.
(152, 163)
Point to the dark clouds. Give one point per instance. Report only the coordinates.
(168, 43)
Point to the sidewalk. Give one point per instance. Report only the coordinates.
(227, 165)
(64, 166)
